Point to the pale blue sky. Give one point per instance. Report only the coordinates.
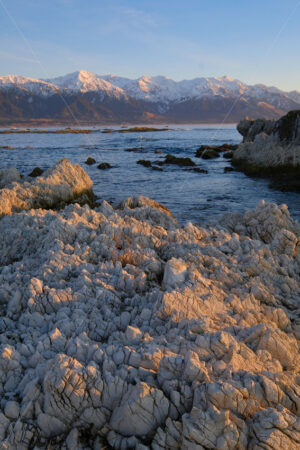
(257, 41)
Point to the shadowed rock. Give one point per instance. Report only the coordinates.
(144, 162)
(36, 172)
(178, 161)
(104, 166)
(90, 161)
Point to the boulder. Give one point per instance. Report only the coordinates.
(36, 172)
(90, 161)
(210, 154)
(104, 166)
(144, 162)
(57, 186)
(178, 161)
(271, 148)
(8, 176)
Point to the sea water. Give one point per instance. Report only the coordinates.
(189, 195)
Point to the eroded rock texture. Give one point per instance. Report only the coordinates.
(57, 186)
(120, 329)
(269, 144)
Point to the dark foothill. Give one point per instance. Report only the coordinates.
(104, 166)
(37, 171)
(90, 161)
(144, 163)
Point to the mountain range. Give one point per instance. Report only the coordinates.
(84, 97)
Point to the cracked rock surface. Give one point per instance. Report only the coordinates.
(58, 185)
(121, 329)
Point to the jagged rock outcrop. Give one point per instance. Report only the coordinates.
(56, 187)
(120, 328)
(269, 147)
(8, 176)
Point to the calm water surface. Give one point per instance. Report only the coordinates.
(189, 195)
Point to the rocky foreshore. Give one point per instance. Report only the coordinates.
(271, 148)
(121, 329)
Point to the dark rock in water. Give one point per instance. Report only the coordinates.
(157, 151)
(226, 147)
(37, 171)
(90, 161)
(210, 154)
(104, 166)
(157, 168)
(217, 148)
(134, 149)
(7, 147)
(144, 162)
(228, 155)
(228, 169)
(158, 162)
(171, 159)
(197, 169)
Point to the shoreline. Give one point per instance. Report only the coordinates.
(42, 123)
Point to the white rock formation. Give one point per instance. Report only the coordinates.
(59, 185)
(118, 327)
(268, 144)
(8, 176)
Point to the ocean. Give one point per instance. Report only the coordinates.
(190, 196)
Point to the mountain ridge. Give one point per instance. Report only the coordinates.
(112, 99)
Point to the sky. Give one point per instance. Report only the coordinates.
(256, 42)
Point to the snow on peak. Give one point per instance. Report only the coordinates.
(27, 84)
(159, 89)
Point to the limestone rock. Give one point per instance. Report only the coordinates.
(59, 185)
(119, 327)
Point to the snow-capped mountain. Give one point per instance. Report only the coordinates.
(111, 98)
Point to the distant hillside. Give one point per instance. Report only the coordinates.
(94, 99)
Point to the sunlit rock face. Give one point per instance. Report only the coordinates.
(57, 186)
(269, 144)
(121, 329)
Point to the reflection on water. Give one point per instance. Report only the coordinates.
(189, 195)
